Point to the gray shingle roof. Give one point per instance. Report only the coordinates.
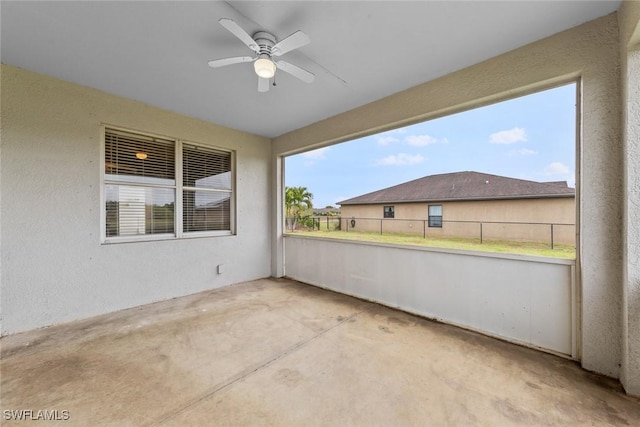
(463, 186)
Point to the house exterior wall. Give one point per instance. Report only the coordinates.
(537, 211)
(589, 52)
(54, 267)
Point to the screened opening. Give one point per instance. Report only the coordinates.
(504, 174)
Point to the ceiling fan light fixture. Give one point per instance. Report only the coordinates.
(265, 67)
(265, 46)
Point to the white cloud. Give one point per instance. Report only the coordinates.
(387, 139)
(423, 140)
(318, 154)
(508, 136)
(556, 168)
(390, 137)
(401, 159)
(522, 152)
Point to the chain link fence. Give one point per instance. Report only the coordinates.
(551, 233)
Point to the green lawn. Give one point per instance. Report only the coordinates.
(512, 247)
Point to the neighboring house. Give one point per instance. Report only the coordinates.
(455, 204)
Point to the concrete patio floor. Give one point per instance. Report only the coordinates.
(277, 352)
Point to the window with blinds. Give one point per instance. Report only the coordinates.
(206, 196)
(435, 216)
(144, 196)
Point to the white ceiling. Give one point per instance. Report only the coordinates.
(157, 52)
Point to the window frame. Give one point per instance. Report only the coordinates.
(433, 217)
(179, 232)
(391, 214)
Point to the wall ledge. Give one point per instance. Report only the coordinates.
(499, 255)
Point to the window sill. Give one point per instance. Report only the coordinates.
(164, 237)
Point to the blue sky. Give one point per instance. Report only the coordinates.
(531, 137)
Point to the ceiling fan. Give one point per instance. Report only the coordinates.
(265, 46)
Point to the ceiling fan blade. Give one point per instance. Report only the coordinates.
(296, 71)
(237, 31)
(294, 41)
(228, 61)
(263, 85)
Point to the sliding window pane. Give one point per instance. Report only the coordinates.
(205, 167)
(139, 159)
(206, 211)
(134, 211)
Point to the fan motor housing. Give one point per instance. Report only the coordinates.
(265, 41)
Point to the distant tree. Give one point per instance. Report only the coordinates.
(296, 201)
(329, 207)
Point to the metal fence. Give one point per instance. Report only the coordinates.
(551, 233)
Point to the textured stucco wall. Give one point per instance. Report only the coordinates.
(589, 51)
(54, 268)
(534, 211)
(631, 284)
(629, 23)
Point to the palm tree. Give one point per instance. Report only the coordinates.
(296, 201)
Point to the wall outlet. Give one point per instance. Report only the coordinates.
(220, 269)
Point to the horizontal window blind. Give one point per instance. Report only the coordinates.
(134, 211)
(205, 167)
(141, 186)
(435, 215)
(137, 158)
(435, 210)
(206, 198)
(206, 211)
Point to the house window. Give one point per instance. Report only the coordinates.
(435, 216)
(206, 196)
(388, 212)
(146, 196)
